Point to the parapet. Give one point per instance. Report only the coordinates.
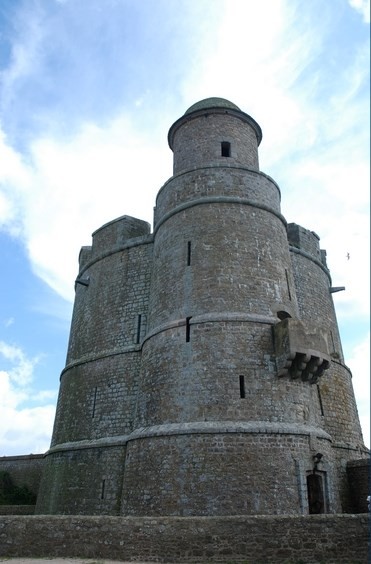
(113, 235)
(305, 240)
(117, 232)
(84, 256)
(358, 472)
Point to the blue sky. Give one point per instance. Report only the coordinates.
(88, 91)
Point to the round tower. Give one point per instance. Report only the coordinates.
(220, 427)
(204, 371)
(98, 386)
(335, 390)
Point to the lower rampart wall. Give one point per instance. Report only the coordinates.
(25, 470)
(17, 509)
(311, 539)
(359, 478)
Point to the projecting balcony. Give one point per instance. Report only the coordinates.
(301, 350)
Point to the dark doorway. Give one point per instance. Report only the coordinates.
(316, 498)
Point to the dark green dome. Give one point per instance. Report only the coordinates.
(212, 103)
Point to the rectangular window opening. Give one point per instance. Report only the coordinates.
(242, 387)
(188, 329)
(320, 399)
(288, 283)
(139, 323)
(226, 149)
(102, 489)
(189, 250)
(94, 403)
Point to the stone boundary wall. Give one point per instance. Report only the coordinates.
(24, 470)
(314, 539)
(359, 477)
(17, 509)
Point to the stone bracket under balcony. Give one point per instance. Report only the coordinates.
(301, 350)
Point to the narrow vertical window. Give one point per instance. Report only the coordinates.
(288, 283)
(94, 403)
(139, 323)
(320, 399)
(189, 250)
(332, 340)
(103, 486)
(188, 329)
(242, 387)
(226, 149)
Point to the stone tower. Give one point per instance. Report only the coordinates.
(204, 374)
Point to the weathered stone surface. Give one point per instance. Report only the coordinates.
(315, 539)
(171, 401)
(25, 470)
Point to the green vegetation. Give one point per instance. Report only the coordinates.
(11, 494)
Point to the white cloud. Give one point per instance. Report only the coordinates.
(315, 143)
(22, 367)
(25, 53)
(359, 363)
(363, 7)
(331, 197)
(72, 186)
(22, 429)
(15, 179)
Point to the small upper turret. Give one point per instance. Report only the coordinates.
(214, 132)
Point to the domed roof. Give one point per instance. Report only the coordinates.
(220, 106)
(212, 103)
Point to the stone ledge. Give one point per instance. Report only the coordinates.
(244, 169)
(103, 354)
(213, 317)
(218, 200)
(195, 428)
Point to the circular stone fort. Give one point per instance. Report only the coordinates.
(205, 374)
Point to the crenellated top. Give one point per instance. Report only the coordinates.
(306, 241)
(214, 132)
(112, 236)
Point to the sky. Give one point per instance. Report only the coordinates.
(88, 92)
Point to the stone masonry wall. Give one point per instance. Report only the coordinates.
(85, 482)
(173, 401)
(230, 181)
(315, 539)
(98, 391)
(118, 283)
(206, 474)
(360, 483)
(198, 141)
(335, 390)
(24, 470)
(173, 389)
(241, 243)
(17, 509)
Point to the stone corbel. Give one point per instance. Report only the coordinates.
(301, 350)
